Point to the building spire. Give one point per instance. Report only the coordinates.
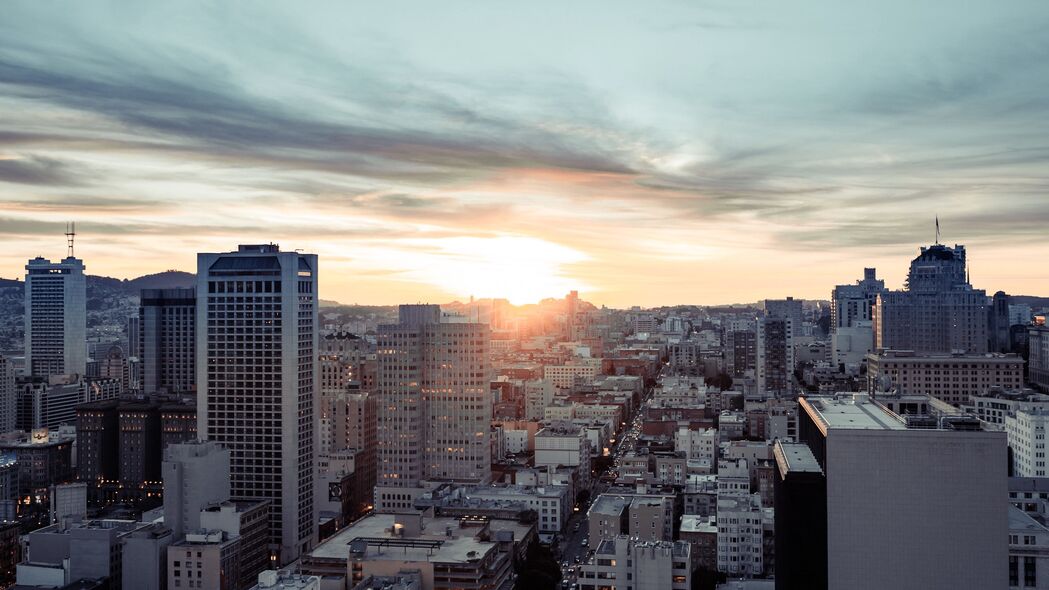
(937, 229)
(70, 236)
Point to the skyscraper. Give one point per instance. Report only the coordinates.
(938, 312)
(167, 340)
(855, 303)
(257, 380)
(434, 406)
(55, 317)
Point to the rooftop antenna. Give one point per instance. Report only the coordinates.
(937, 229)
(70, 236)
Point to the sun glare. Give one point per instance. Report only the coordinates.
(520, 269)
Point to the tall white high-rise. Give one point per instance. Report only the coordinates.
(257, 380)
(434, 406)
(55, 317)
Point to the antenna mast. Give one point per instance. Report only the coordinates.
(937, 229)
(70, 236)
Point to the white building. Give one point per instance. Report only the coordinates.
(564, 444)
(740, 534)
(697, 444)
(851, 345)
(538, 394)
(196, 474)
(1026, 432)
(258, 380)
(55, 317)
(1028, 552)
(636, 564)
(998, 404)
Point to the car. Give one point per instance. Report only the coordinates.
(586, 541)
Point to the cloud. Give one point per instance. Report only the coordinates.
(39, 170)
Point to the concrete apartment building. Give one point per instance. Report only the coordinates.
(55, 317)
(900, 490)
(636, 564)
(434, 404)
(953, 378)
(258, 379)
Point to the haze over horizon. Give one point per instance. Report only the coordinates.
(693, 154)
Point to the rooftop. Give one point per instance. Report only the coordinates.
(796, 457)
(850, 412)
(1020, 521)
(693, 523)
(435, 545)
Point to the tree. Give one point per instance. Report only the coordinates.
(722, 381)
(539, 570)
(582, 497)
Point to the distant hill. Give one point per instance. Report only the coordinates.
(169, 279)
(1034, 301)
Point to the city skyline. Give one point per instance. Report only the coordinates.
(707, 155)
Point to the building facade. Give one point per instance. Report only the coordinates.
(953, 378)
(434, 405)
(938, 312)
(257, 380)
(167, 340)
(55, 317)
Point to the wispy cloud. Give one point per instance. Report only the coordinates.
(631, 151)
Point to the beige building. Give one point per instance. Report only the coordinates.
(565, 376)
(434, 404)
(953, 378)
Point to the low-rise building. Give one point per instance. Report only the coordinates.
(446, 553)
(636, 564)
(953, 378)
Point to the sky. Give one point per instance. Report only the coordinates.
(642, 153)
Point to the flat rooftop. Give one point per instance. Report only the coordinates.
(693, 523)
(796, 457)
(453, 549)
(851, 412)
